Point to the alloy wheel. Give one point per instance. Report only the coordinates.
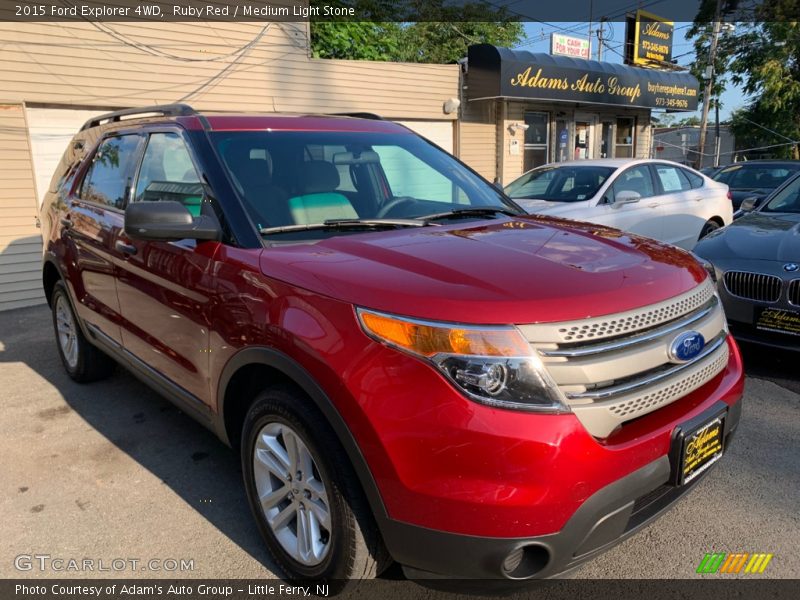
(292, 494)
(67, 332)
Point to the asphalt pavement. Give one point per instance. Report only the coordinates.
(112, 473)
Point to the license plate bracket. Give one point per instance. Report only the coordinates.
(696, 447)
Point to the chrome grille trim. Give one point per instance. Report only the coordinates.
(603, 418)
(753, 286)
(637, 338)
(620, 368)
(794, 292)
(615, 325)
(617, 390)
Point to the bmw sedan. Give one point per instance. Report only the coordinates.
(757, 263)
(653, 198)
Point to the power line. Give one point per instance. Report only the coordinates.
(162, 54)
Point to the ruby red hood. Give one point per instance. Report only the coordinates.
(520, 270)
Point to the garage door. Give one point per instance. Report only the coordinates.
(51, 129)
(439, 132)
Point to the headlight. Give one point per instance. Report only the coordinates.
(491, 365)
(708, 266)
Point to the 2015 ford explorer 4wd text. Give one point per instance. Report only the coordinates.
(412, 369)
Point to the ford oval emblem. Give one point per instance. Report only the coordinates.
(686, 346)
(791, 267)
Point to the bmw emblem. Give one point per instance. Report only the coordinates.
(791, 267)
(686, 346)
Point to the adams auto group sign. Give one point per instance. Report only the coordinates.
(626, 88)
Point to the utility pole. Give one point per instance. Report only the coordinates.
(600, 41)
(716, 140)
(591, 8)
(712, 55)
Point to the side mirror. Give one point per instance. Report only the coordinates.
(168, 221)
(750, 204)
(626, 197)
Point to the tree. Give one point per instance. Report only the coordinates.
(355, 40)
(441, 33)
(763, 57)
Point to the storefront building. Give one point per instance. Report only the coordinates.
(545, 108)
(55, 76)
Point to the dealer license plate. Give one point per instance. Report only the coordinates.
(701, 449)
(778, 320)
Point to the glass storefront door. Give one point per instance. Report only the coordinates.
(563, 140)
(537, 140)
(584, 137)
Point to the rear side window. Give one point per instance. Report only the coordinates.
(672, 179)
(695, 180)
(108, 179)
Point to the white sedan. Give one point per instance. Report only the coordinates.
(654, 198)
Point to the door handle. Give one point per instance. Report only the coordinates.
(653, 205)
(124, 247)
(697, 199)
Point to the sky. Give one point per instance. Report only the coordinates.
(682, 49)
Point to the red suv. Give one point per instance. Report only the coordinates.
(412, 369)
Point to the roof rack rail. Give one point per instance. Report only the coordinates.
(167, 110)
(359, 115)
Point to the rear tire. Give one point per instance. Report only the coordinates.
(82, 361)
(708, 228)
(304, 494)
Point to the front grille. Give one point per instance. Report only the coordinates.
(794, 292)
(610, 378)
(753, 286)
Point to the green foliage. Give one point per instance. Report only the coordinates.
(446, 42)
(355, 40)
(763, 57)
(441, 33)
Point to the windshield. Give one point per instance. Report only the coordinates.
(560, 184)
(786, 200)
(292, 179)
(742, 177)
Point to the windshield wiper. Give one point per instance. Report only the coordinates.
(474, 211)
(348, 224)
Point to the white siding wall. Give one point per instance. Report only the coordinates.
(20, 239)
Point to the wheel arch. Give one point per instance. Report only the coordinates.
(50, 276)
(237, 389)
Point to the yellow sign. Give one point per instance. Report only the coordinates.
(652, 43)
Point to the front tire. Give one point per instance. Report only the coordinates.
(306, 501)
(708, 228)
(82, 361)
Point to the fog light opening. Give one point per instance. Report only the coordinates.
(525, 561)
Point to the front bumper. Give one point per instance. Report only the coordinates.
(609, 516)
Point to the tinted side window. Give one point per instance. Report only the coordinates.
(109, 177)
(636, 179)
(694, 179)
(167, 173)
(672, 180)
